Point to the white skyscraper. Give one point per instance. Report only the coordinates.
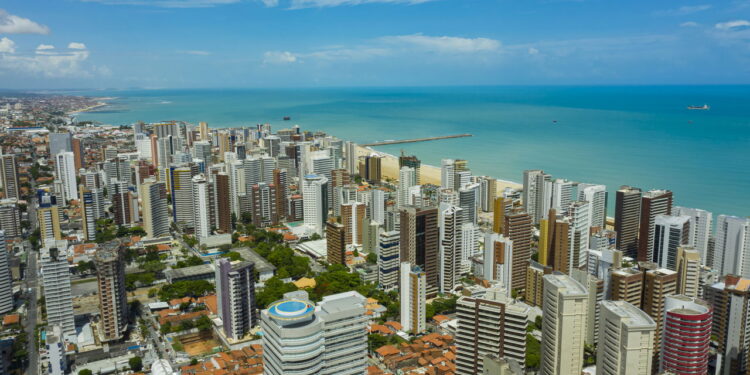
(626, 337)
(670, 232)
(447, 173)
(565, 309)
(498, 256)
(235, 296)
(732, 250)
(388, 259)
(407, 177)
(413, 297)
(701, 225)
(201, 209)
(315, 202)
(578, 238)
(6, 283)
(57, 292)
(377, 206)
(597, 196)
(537, 194)
(66, 172)
(470, 246)
(468, 200)
(300, 338)
(451, 246)
(562, 195)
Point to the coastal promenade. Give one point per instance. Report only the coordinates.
(415, 140)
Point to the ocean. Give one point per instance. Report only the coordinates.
(626, 135)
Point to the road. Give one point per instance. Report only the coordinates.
(31, 314)
(163, 351)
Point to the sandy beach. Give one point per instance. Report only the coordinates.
(429, 174)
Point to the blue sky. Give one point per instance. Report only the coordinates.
(321, 43)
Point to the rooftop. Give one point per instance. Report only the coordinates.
(632, 316)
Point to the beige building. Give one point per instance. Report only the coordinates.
(626, 337)
(688, 271)
(564, 325)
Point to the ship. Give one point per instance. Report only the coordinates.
(287, 118)
(704, 107)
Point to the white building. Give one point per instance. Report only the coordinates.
(413, 297)
(470, 246)
(66, 172)
(235, 297)
(468, 200)
(300, 338)
(537, 194)
(564, 325)
(388, 259)
(626, 344)
(377, 206)
(450, 246)
(56, 281)
(315, 202)
(6, 283)
(597, 196)
(701, 225)
(498, 260)
(407, 177)
(201, 200)
(562, 195)
(732, 250)
(447, 173)
(578, 237)
(670, 232)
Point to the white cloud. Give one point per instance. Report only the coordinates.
(533, 51)
(169, 3)
(689, 24)
(279, 57)
(270, 3)
(43, 47)
(195, 52)
(445, 44)
(12, 24)
(299, 4)
(729, 25)
(684, 10)
(7, 46)
(76, 45)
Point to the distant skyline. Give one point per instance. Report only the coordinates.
(323, 43)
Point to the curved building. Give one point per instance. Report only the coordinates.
(687, 335)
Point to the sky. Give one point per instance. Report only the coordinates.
(54, 44)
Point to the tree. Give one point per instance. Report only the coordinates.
(193, 260)
(136, 364)
(193, 361)
(533, 351)
(185, 288)
(85, 372)
(273, 290)
(372, 258)
(203, 323)
(232, 255)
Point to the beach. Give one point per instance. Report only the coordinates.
(428, 174)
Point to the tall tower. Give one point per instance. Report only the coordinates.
(223, 203)
(265, 212)
(407, 177)
(66, 173)
(6, 283)
(489, 325)
(597, 196)
(564, 325)
(580, 220)
(537, 194)
(48, 217)
(688, 271)
(451, 246)
(88, 212)
(183, 210)
(56, 281)
(113, 299)
(519, 229)
(626, 335)
(503, 206)
(701, 226)
(670, 232)
(9, 176)
(315, 201)
(687, 335)
(498, 259)
(413, 297)
(388, 259)
(653, 203)
(419, 243)
(235, 295)
(627, 218)
(447, 173)
(353, 218)
(10, 219)
(732, 250)
(657, 285)
(202, 209)
(336, 243)
(154, 207)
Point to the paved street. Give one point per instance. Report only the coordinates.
(31, 315)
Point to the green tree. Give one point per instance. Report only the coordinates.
(233, 256)
(372, 258)
(85, 372)
(136, 364)
(185, 288)
(193, 260)
(273, 290)
(533, 351)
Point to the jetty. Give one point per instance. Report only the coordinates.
(392, 142)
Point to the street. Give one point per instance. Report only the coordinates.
(31, 315)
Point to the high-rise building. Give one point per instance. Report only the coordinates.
(370, 236)
(537, 194)
(595, 288)
(503, 206)
(78, 153)
(489, 325)
(202, 210)
(113, 299)
(9, 175)
(235, 296)
(183, 208)
(565, 310)
(300, 338)
(578, 236)
(56, 281)
(688, 271)
(557, 238)
(48, 217)
(597, 196)
(353, 217)
(701, 226)
(562, 195)
(66, 173)
(657, 285)
(687, 335)
(419, 243)
(653, 203)
(488, 193)
(388, 259)
(626, 337)
(88, 212)
(205, 135)
(315, 201)
(280, 180)
(154, 208)
(731, 323)
(447, 173)
(265, 212)
(377, 206)
(468, 200)
(407, 177)
(413, 297)
(372, 168)
(519, 229)
(498, 256)
(626, 284)
(351, 157)
(336, 243)
(223, 203)
(411, 162)
(670, 232)
(627, 218)
(732, 249)
(6, 282)
(451, 246)
(534, 293)
(10, 219)
(59, 142)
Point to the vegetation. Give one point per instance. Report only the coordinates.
(136, 364)
(589, 355)
(287, 263)
(273, 290)
(441, 306)
(233, 256)
(85, 372)
(533, 351)
(85, 267)
(185, 288)
(372, 258)
(106, 230)
(192, 261)
(190, 240)
(375, 341)
(135, 280)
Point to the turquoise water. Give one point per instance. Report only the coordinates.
(640, 136)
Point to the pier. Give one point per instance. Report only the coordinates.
(383, 143)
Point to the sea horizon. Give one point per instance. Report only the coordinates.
(637, 135)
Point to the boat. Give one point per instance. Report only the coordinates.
(287, 118)
(704, 107)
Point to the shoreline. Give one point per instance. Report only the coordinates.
(428, 174)
(100, 103)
